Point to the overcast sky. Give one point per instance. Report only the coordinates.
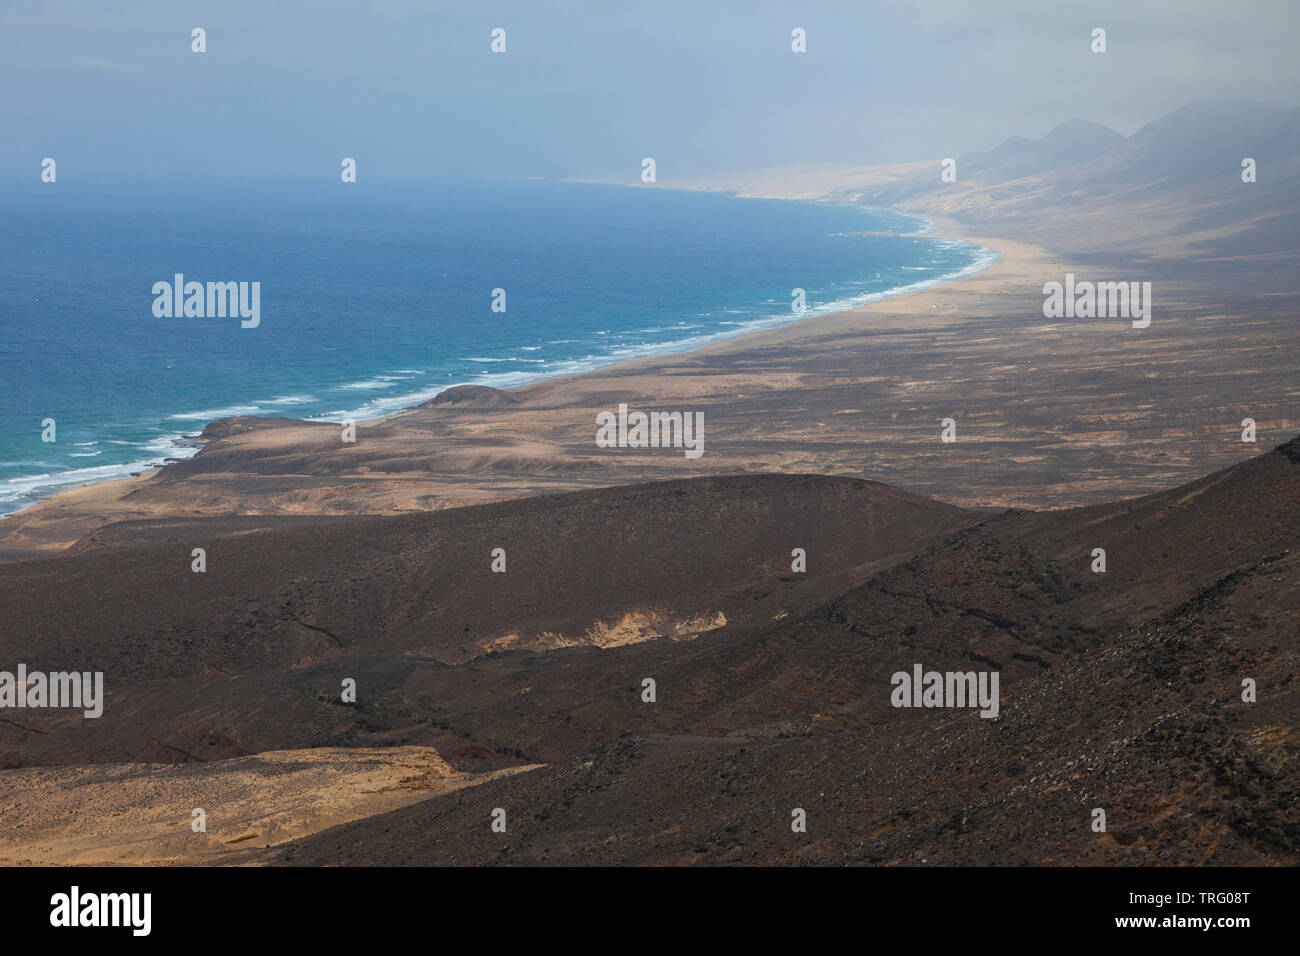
(586, 89)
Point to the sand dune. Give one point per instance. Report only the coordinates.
(114, 814)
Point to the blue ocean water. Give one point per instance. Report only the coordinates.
(375, 299)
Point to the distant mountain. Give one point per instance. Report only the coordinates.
(1173, 190)
(1204, 140)
(1068, 144)
(1198, 142)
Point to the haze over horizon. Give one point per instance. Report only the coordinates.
(586, 91)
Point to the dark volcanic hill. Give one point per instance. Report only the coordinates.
(1119, 691)
(285, 600)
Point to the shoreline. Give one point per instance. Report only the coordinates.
(33, 531)
(1053, 414)
(985, 258)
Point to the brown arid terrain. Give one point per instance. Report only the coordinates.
(330, 562)
(1049, 413)
(523, 690)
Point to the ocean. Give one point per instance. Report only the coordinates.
(374, 299)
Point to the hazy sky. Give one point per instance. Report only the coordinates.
(289, 87)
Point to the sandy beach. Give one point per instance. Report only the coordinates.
(1049, 413)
